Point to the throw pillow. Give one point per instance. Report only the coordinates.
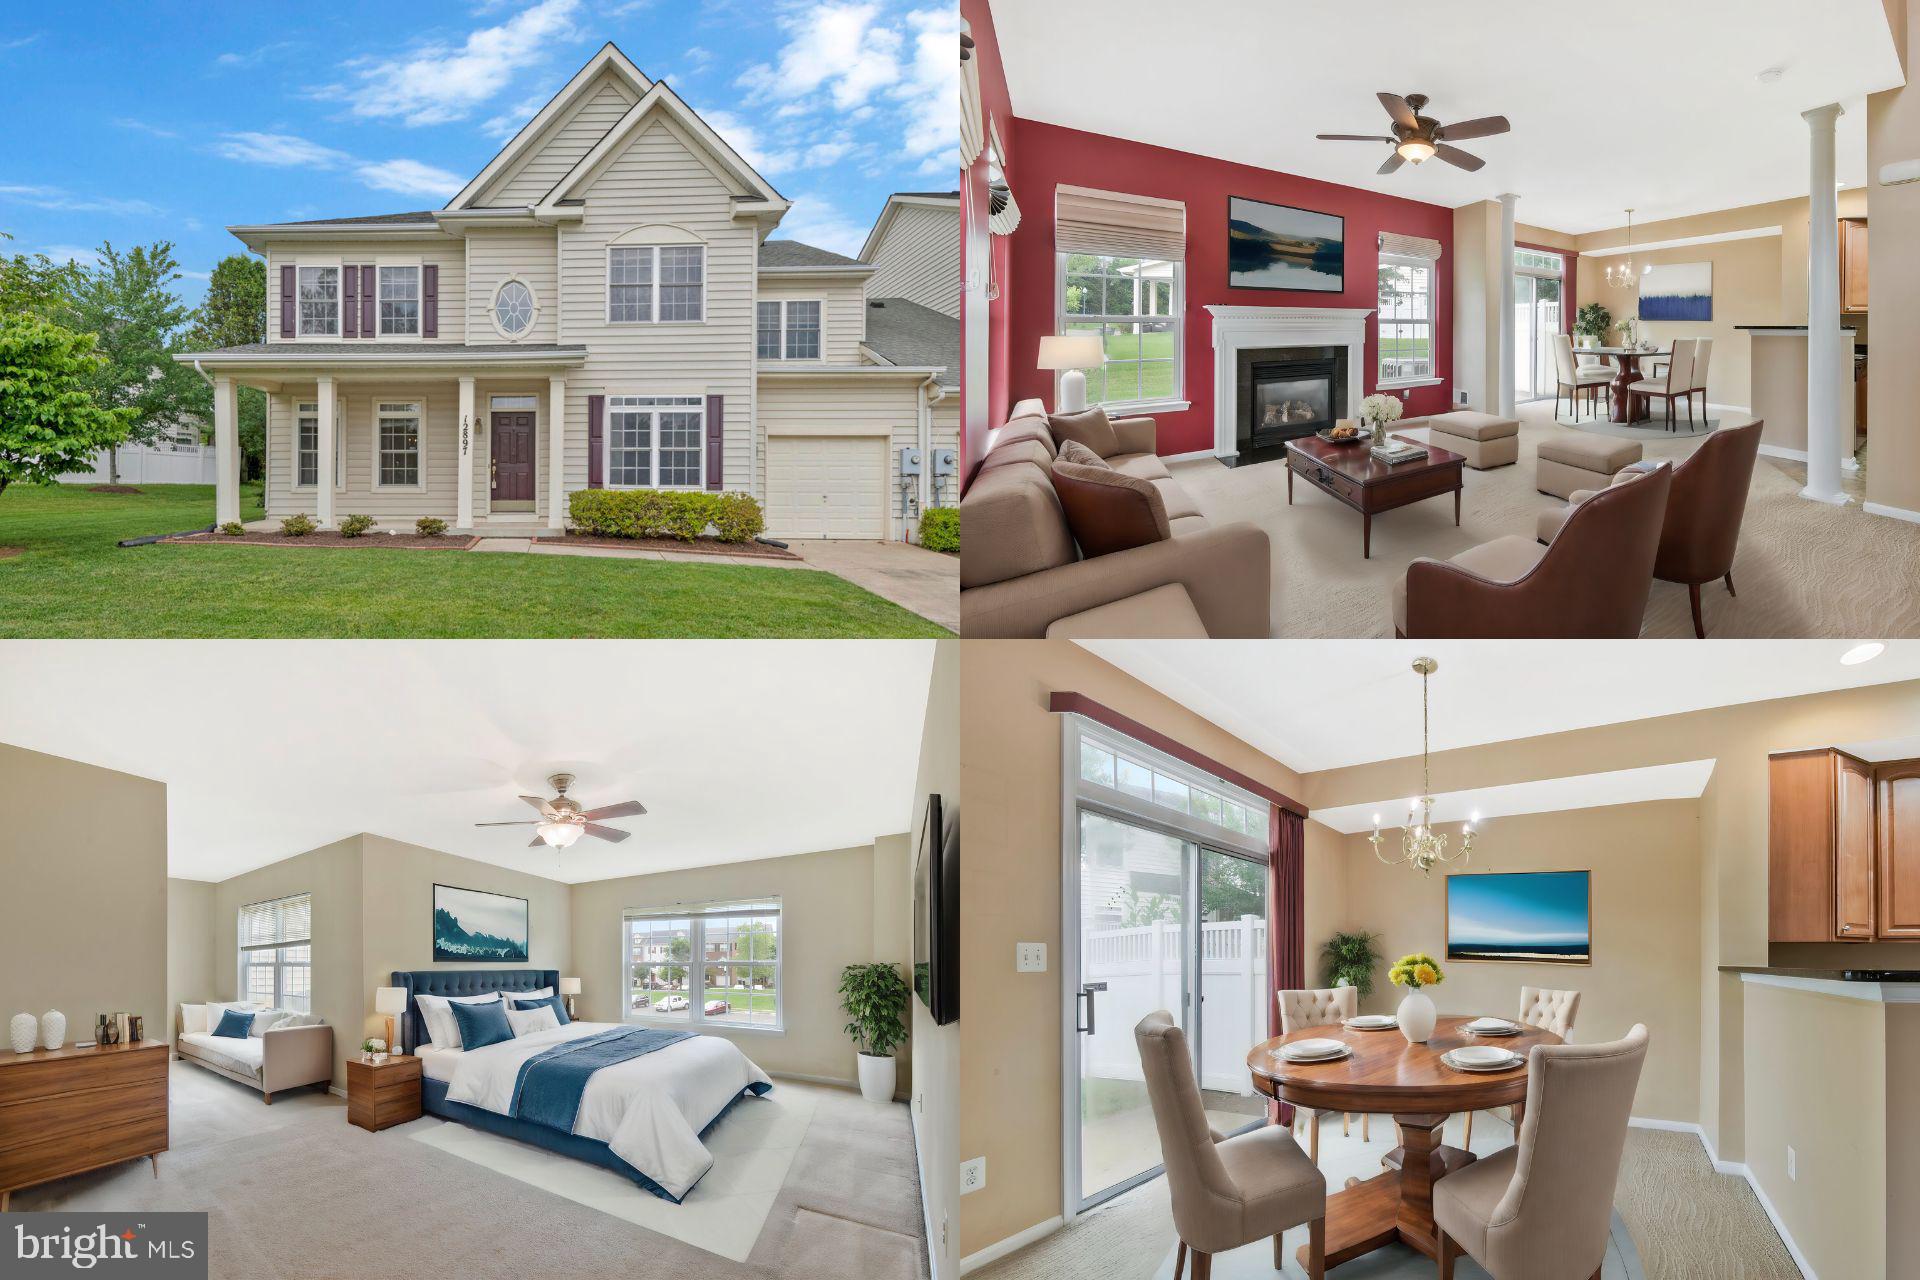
(551, 1002)
(482, 1024)
(1089, 427)
(1074, 451)
(234, 1025)
(266, 1020)
(527, 1021)
(442, 1030)
(1109, 511)
(193, 1017)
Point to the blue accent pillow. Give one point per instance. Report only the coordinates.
(482, 1024)
(234, 1025)
(554, 1003)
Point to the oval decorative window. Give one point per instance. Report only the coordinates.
(513, 308)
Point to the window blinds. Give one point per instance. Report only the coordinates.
(1399, 246)
(682, 911)
(1110, 222)
(281, 922)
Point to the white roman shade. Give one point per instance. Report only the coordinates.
(1111, 222)
(279, 923)
(1393, 244)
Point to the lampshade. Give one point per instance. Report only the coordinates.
(389, 1000)
(560, 834)
(569, 986)
(1072, 351)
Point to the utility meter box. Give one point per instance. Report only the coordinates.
(944, 461)
(910, 461)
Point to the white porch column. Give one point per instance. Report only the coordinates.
(463, 510)
(226, 452)
(1825, 444)
(1505, 398)
(323, 488)
(556, 453)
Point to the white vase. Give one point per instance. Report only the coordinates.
(53, 1029)
(23, 1029)
(877, 1077)
(1416, 1016)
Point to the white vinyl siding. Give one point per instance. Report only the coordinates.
(843, 320)
(919, 258)
(881, 409)
(527, 254)
(566, 141)
(357, 402)
(448, 254)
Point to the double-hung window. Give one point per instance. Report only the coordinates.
(656, 442)
(319, 297)
(715, 963)
(399, 301)
(276, 953)
(1406, 319)
(397, 450)
(663, 283)
(307, 448)
(1134, 305)
(788, 330)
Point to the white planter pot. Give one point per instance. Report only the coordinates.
(22, 1031)
(1416, 1015)
(877, 1076)
(53, 1029)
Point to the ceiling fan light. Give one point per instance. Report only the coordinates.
(1416, 150)
(560, 834)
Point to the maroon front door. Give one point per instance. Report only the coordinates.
(513, 457)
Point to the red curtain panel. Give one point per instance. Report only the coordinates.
(1286, 920)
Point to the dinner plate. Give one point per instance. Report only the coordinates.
(1313, 1050)
(1492, 1027)
(1372, 1022)
(1471, 1059)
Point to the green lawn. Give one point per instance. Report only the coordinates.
(73, 581)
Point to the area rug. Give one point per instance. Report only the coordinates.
(1657, 429)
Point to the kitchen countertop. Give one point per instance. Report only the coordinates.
(1785, 328)
(1873, 985)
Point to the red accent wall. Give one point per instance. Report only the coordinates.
(997, 108)
(1050, 155)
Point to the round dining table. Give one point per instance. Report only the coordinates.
(1624, 405)
(1384, 1075)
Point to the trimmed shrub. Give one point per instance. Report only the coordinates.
(298, 526)
(233, 528)
(940, 529)
(659, 513)
(429, 526)
(354, 526)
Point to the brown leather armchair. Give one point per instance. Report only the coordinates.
(1591, 582)
(1705, 506)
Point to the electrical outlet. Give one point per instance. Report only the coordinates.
(1791, 1175)
(1461, 397)
(1029, 957)
(973, 1174)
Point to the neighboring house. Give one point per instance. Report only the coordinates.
(915, 250)
(176, 456)
(599, 307)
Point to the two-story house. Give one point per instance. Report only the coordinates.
(599, 307)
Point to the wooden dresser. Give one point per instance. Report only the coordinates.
(383, 1094)
(65, 1111)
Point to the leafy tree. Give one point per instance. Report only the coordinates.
(1138, 910)
(233, 315)
(50, 423)
(37, 285)
(128, 304)
(681, 951)
(1231, 888)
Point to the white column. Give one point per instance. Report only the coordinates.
(226, 452)
(556, 453)
(1825, 444)
(1505, 396)
(463, 510)
(323, 489)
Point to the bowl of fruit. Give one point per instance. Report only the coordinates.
(1344, 433)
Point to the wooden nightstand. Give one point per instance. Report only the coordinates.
(381, 1095)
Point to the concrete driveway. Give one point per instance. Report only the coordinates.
(927, 582)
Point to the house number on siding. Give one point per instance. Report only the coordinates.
(466, 429)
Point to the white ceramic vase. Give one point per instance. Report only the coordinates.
(1416, 1015)
(22, 1030)
(53, 1029)
(877, 1076)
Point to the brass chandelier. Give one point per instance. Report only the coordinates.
(1420, 845)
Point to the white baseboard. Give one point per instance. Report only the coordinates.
(1012, 1244)
(1781, 451)
(1896, 513)
(835, 1082)
(1737, 1170)
(926, 1201)
(1192, 456)
(336, 1091)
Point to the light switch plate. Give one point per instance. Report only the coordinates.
(973, 1174)
(1791, 1175)
(1029, 957)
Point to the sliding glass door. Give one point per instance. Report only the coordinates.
(1537, 295)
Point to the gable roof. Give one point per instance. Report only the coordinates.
(903, 332)
(791, 255)
(557, 106)
(899, 200)
(661, 100)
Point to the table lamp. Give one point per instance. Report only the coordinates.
(570, 987)
(390, 1000)
(1072, 352)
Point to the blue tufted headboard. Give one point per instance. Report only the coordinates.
(460, 982)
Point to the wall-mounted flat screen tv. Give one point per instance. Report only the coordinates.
(936, 913)
(1526, 917)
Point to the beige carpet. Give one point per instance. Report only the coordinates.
(293, 1192)
(1803, 569)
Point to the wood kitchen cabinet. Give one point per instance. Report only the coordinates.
(1820, 848)
(1853, 264)
(1897, 796)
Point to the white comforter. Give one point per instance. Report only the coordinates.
(649, 1110)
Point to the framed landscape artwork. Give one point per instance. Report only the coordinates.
(1677, 291)
(1275, 246)
(483, 927)
(1530, 917)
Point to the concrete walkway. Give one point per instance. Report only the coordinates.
(927, 582)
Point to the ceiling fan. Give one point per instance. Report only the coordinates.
(1419, 138)
(563, 821)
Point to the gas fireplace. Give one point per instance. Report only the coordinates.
(1286, 393)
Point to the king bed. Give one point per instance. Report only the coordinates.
(632, 1099)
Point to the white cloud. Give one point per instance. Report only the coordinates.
(67, 202)
(926, 96)
(281, 149)
(70, 253)
(815, 220)
(202, 276)
(699, 58)
(839, 48)
(744, 138)
(142, 126)
(252, 56)
(438, 83)
(409, 177)
(19, 42)
(822, 154)
(510, 121)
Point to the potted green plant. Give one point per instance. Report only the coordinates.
(875, 998)
(1590, 324)
(1347, 960)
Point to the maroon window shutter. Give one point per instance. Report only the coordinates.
(596, 430)
(367, 299)
(286, 301)
(350, 304)
(430, 301)
(716, 432)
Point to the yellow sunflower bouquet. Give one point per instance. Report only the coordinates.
(1416, 971)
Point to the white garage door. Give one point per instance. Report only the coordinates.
(827, 487)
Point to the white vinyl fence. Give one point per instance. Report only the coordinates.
(1141, 967)
(162, 462)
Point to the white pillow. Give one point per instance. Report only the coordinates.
(193, 1017)
(442, 1030)
(266, 1020)
(527, 1021)
(541, 994)
(217, 1007)
(296, 1020)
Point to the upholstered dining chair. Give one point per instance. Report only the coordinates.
(1675, 383)
(1548, 1009)
(1227, 1192)
(1319, 1007)
(1573, 379)
(1542, 1209)
(1702, 357)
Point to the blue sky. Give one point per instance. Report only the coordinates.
(142, 122)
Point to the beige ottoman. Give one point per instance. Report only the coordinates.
(1164, 613)
(1582, 461)
(1484, 440)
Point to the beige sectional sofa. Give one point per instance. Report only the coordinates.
(1022, 575)
(271, 1060)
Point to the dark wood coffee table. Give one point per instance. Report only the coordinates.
(1352, 475)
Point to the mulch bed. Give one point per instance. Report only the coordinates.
(699, 546)
(8, 553)
(113, 488)
(264, 538)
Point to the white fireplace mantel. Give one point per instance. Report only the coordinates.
(1238, 327)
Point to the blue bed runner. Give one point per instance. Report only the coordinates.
(551, 1083)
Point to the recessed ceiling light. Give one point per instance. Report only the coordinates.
(1862, 653)
(1771, 75)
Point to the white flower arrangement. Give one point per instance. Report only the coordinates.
(1380, 410)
